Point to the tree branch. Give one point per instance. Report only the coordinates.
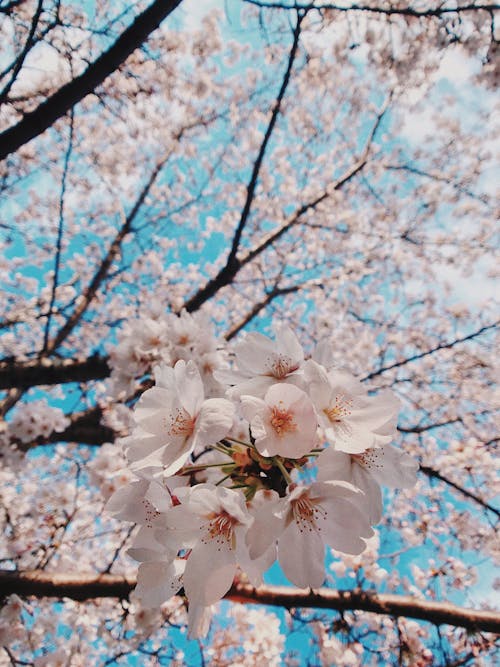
(420, 355)
(101, 273)
(227, 274)
(388, 11)
(89, 586)
(37, 121)
(260, 157)
(232, 265)
(26, 374)
(435, 474)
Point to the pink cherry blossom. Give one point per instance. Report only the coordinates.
(283, 423)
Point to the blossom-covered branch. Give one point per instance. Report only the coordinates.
(41, 118)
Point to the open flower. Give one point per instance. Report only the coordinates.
(303, 522)
(350, 419)
(263, 362)
(284, 423)
(385, 465)
(174, 418)
(212, 522)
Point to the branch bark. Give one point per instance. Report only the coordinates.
(90, 586)
(37, 121)
(26, 374)
(388, 10)
(420, 355)
(232, 265)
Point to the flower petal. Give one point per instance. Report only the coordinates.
(158, 581)
(301, 556)
(214, 421)
(210, 571)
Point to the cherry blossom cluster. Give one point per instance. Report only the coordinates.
(163, 338)
(289, 460)
(35, 419)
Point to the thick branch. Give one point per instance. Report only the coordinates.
(85, 428)
(37, 121)
(84, 587)
(26, 374)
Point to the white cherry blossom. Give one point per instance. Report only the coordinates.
(174, 418)
(306, 520)
(212, 522)
(262, 362)
(350, 419)
(385, 465)
(283, 423)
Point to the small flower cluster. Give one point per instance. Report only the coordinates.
(163, 338)
(35, 419)
(224, 483)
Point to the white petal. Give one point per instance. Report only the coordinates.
(343, 525)
(301, 556)
(390, 467)
(210, 570)
(288, 343)
(152, 407)
(214, 421)
(198, 620)
(127, 502)
(334, 465)
(164, 377)
(268, 523)
(252, 353)
(158, 582)
(189, 386)
(140, 444)
(251, 406)
(255, 386)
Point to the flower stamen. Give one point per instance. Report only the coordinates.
(282, 421)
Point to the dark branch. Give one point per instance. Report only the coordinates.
(260, 157)
(26, 374)
(232, 266)
(434, 474)
(420, 355)
(388, 11)
(101, 273)
(228, 273)
(84, 587)
(37, 121)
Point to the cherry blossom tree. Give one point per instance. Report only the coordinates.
(248, 318)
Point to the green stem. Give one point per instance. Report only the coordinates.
(224, 478)
(191, 469)
(283, 470)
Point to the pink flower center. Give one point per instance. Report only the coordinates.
(281, 366)
(339, 409)
(181, 424)
(306, 512)
(282, 421)
(220, 529)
